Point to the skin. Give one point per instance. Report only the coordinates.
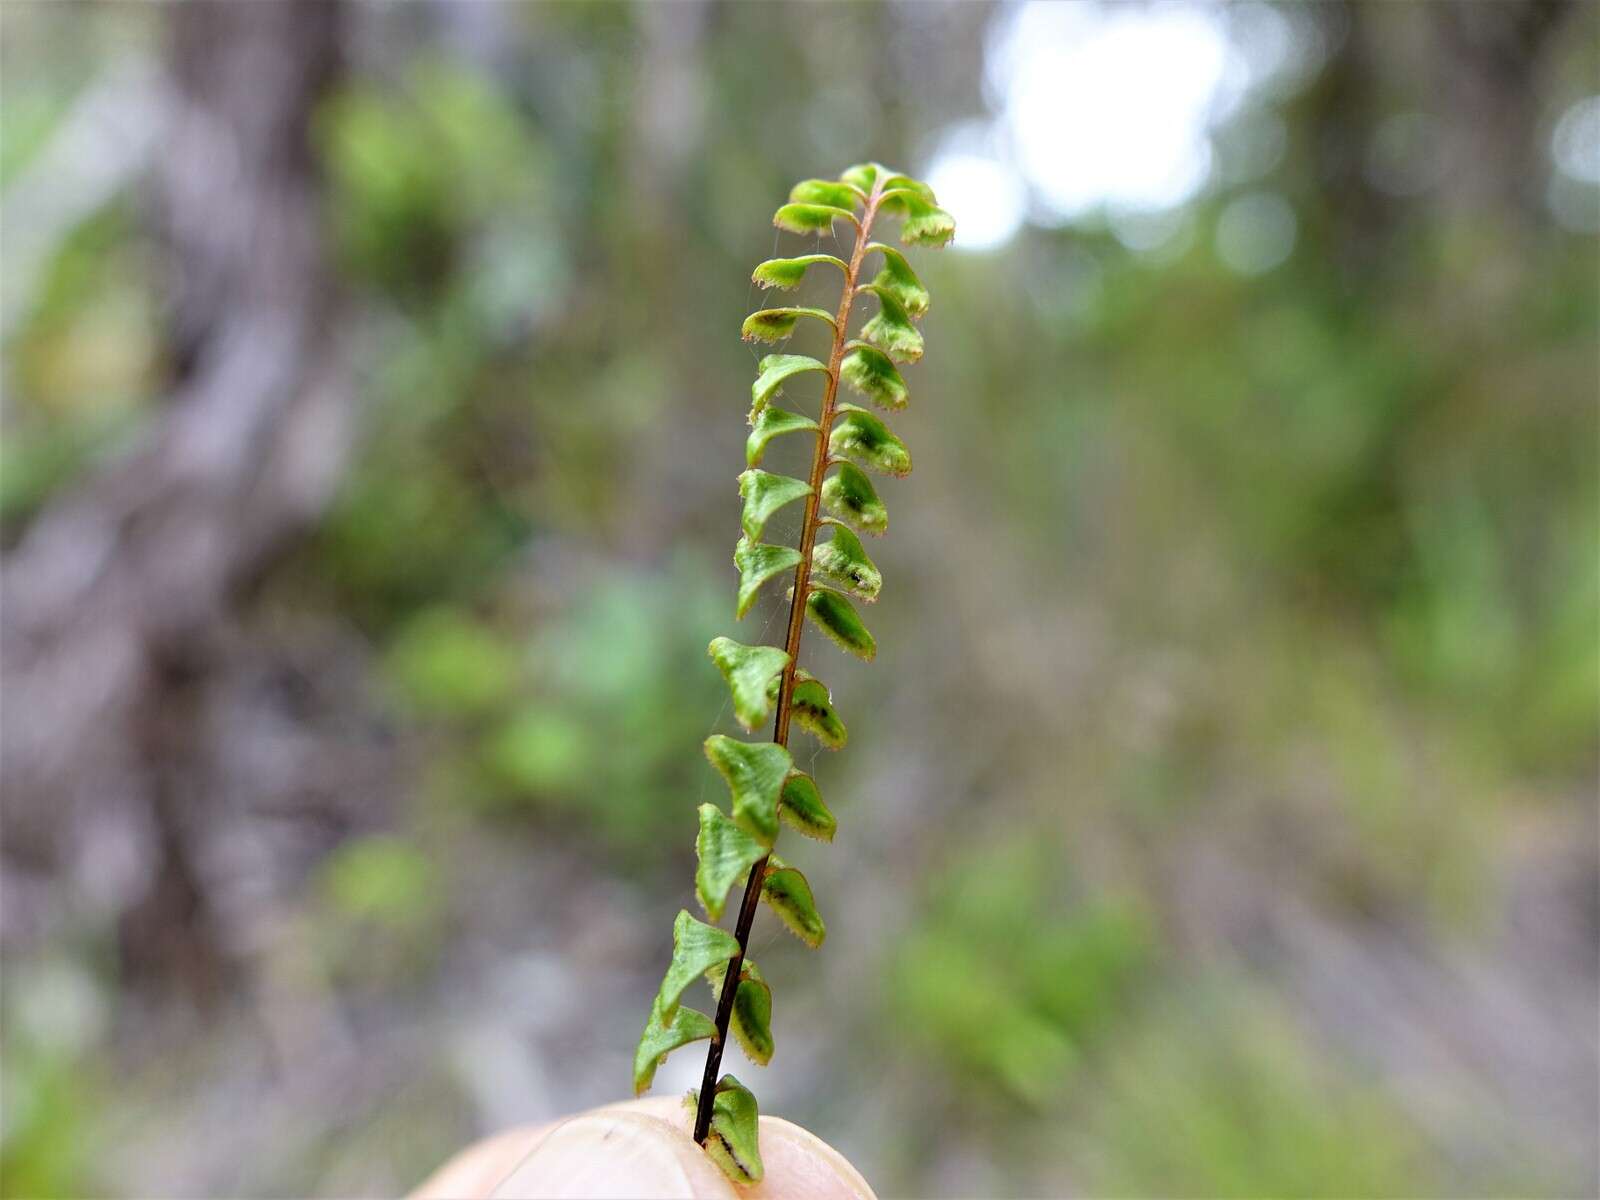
(639, 1149)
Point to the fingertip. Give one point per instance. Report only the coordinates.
(797, 1164)
(476, 1170)
(622, 1151)
(643, 1149)
(801, 1166)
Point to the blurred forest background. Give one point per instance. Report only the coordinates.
(1220, 817)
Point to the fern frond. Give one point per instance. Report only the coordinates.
(765, 681)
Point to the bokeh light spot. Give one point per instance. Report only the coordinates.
(1575, 144)
(1255, 232)
(1110, 105)
(983, 195)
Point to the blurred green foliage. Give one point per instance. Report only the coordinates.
(57, 1085)
(51, 1102)
(444, 664)
(1008, 976)
(586, 719)
(87, 358)
(381, 879)
(378, 916)
(1234, 1103)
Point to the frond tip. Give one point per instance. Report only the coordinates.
(864, 175)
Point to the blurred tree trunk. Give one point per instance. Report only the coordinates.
(117, 600)
(1490, 59)
(1474, 67)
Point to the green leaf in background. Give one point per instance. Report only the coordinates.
(786, 273)
(764, 494)
(34, 465)
(661, 1037)
(696, 948)
(725, 853)
(803, 809)
(837, 618)
(776, 369)
(892, 330)
(755, 774)
(732, 1141)
(898, 278)
(811, 218)
(752, 1010)
(826, 191)
(786, 890)
(866, 441)
(770, 423)
(540, 748)
(957, 990)
(871, 373)
(850, 497)
(748, 670)
(382, 879)
(446, 663)
(757, 563)
(1047, 994)
(842, 561)
(775, 324)
(812, 705)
